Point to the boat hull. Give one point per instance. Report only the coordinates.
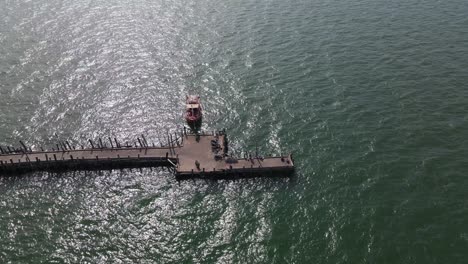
(194, 123)
(193, 111)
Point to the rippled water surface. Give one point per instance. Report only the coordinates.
(370, 96)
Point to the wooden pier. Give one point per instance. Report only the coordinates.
(191, 155)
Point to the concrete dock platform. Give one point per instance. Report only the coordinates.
(201, 151)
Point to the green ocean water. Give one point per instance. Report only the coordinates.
(370, 96)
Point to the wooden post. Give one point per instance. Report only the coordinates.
(168, 140)
(171, 144)
(91, 142)
(24, 146)
(55, 157)
(100, 143)
(177, 139)
(139, 141)
(1, 149)
(68, 144)
(117, 145)
(110, 140)
(144, 140)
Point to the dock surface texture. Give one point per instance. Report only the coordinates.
(191, 155)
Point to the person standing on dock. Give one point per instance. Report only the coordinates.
(197, 164)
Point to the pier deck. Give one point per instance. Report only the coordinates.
(202, 152)
(189, 150)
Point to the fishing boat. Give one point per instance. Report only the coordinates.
(193, 110)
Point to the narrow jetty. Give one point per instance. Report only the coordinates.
(190, 154)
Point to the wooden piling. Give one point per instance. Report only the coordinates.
(24, 146)
(171, 146)
(177, 139)
(64, 147)
(68, 144)
(144, 140)
(91, 142)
